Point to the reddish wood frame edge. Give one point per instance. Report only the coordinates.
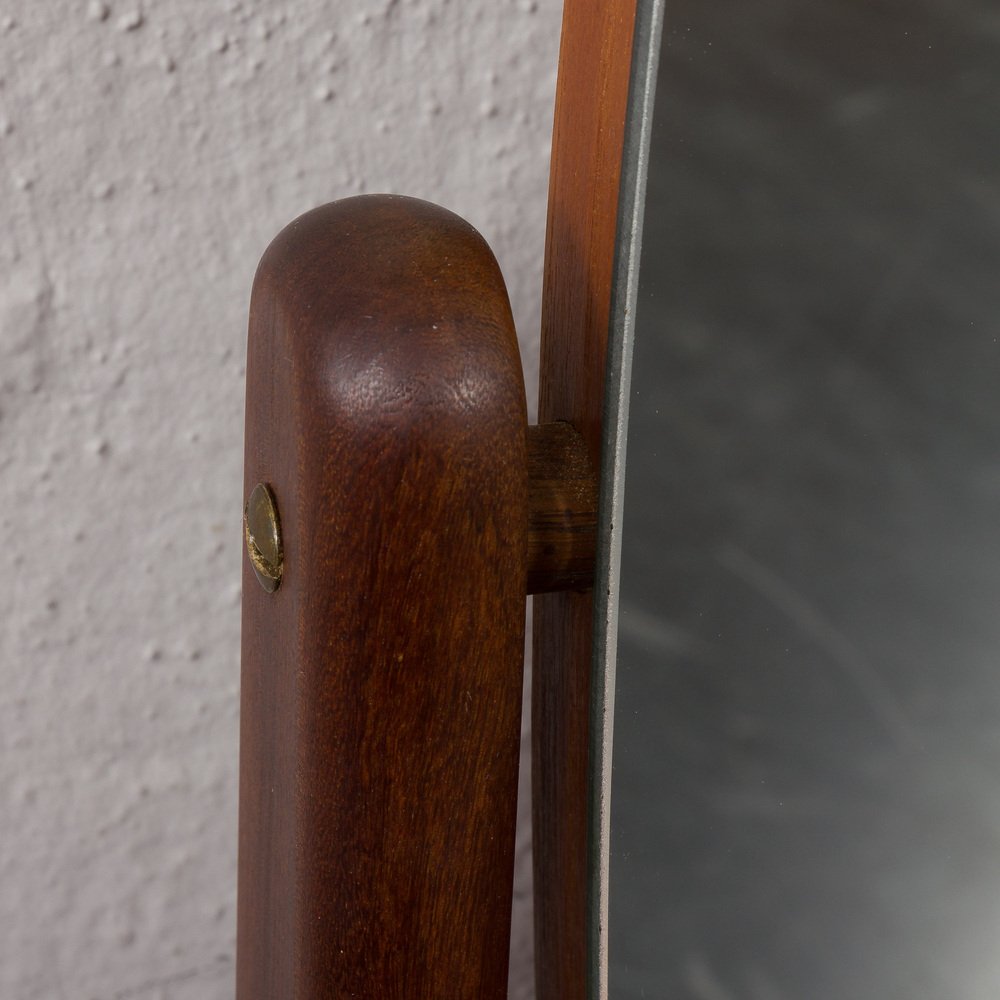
(595, 66)
(381, 683)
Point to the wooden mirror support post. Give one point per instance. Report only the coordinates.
(397, 513)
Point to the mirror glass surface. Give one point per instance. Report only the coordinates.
(806, 772)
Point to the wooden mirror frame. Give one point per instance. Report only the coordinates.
(413, 512)
(607, 72)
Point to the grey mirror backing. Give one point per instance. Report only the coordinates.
(806, 793)
(628, 244)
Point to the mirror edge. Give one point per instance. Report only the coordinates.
(614, 434)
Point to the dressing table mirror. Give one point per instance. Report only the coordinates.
(763, 752)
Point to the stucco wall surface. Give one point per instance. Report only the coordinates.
(148, 153)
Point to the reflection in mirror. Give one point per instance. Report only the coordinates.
(806, 778)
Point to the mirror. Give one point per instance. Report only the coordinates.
(806, 771)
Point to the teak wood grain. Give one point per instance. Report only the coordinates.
(587, 148)
(382, 680)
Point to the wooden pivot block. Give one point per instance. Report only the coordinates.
(562, 505)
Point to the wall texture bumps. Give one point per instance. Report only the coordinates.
(148, 152)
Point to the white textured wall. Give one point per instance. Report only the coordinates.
(148, 152)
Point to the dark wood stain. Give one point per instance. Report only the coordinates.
(382, 681)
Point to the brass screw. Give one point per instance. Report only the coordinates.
(263, 536)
